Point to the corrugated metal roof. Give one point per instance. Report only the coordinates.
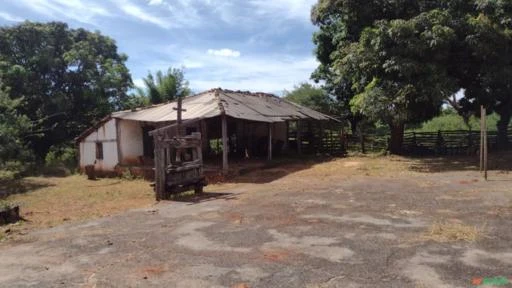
(238, 104)
(203, 105)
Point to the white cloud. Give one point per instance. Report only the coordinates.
(166, 15)
(224, 52)
(191, 64)
(291, 9)
(142, 15)
(11, 18)
(265, 73)
(77, 10)
(155, 2)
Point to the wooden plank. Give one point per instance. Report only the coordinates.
(162, 130)
(270, 141)
(225, 148)
(481, 138)
(159, 170)
(118, 141)
(485, 144)
(299, 138)
(287, 138)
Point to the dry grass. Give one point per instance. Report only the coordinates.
(452, 232)
(53, 201)
(385, 166)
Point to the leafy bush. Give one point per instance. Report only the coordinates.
(5, 205)
(128, 175)
(7, 175)
(15, 158)
(62, 156)
(450, 120)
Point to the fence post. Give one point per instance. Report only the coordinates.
(439, 142)
(481, 138)
(470, 141)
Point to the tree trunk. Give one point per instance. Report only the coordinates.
(397, 138)
(354, 121)
(502, 126)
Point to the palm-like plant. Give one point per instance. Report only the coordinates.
(164, 87)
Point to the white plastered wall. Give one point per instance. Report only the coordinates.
(131, 142)
(107, 135)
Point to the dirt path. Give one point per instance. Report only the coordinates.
(346, 223)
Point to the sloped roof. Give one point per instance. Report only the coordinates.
(260, 107)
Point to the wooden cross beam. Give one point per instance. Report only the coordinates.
(179, 118)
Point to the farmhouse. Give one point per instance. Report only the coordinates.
(251, 125)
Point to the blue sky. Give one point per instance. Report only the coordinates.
(257, 45)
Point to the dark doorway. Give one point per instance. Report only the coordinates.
(147, 142)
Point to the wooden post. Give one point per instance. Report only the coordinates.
(286, 144)
(298, 138)
(159, 169)
(179, 131)
(270, 141)
(205, 143)
(225, 148)
(321, 141)
(485, 144)
(361, 139)
(481, 138)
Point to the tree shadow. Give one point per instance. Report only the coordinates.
(195, 198)
(21, 186)
(260, 171)
(499, 161)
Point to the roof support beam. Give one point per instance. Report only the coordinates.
(270, 141)
(225, 148)
(298, 138)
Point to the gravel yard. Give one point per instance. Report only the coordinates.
(351, 222)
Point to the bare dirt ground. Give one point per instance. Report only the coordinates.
(50, 201)
(353, 222)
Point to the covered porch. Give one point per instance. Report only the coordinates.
(253, 143)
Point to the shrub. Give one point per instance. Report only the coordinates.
(128, 175)
(62, 156)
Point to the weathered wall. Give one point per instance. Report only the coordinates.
(131, 144)
(107, 135)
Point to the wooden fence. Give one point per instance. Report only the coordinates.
(452, 142)
(455, 142)
(318, 137)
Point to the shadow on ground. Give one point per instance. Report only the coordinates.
(257, 171)
(20, 186)
(204, 197)
(500, 161)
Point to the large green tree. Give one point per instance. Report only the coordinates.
(65, 78)
(398, 72)
(13, 129)
(488, 52)
(397, 60)
(163, 87)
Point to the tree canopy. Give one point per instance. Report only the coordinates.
(13, 128)
(313, 97)
(398, 61)
(163, 87)
(62, 79)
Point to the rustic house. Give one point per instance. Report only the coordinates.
(251, 125)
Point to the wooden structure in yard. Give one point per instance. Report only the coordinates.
(178, 160)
